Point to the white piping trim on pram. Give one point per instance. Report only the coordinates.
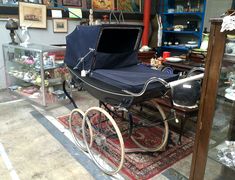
(118, 94)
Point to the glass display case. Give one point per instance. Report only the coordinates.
(214, 154)
(36, 71)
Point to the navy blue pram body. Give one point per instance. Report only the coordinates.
(109, 54)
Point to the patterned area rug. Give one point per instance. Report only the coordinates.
(144, 165)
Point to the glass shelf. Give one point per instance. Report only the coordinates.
(184, 13)
(182, 48)
(195, 33)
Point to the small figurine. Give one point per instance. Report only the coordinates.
(105, 19)
(91, 20)
(26, 36)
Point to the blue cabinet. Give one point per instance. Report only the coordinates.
(182, 24)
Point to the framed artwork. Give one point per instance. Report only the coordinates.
(32, 15)
(60, 25)
(129, 5)
(103, 5)
(77, 3)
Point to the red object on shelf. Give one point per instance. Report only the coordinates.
(59, 55)
(147, 8)
(166, 54)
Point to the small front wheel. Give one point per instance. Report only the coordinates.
(107, 146)
(75, 126)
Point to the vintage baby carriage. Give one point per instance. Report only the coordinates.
(104, 58)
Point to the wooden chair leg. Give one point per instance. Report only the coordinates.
(182, 124)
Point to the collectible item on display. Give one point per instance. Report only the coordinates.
(32, 15)
(8, 2)
(103, 4)
(205, 41)
(25, 36)
(230, 91)
(179, 8)
(129, 5)
(226, 154)
(160, 27)
(12, 26)
(230, 45)
(60, 25)
(174, 59)
(91, 20)
(228, 23)
(49, 3)
(77, 3)
(34, 1)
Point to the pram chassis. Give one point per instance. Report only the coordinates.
(121, 101)
(87, 125)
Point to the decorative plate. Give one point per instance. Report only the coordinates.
(174, 59)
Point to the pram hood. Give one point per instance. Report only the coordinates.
(114, 46)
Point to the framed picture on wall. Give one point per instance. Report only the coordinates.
(60, 25)
(129, 5)
(32, 15)
(103, 5)
(77, 3)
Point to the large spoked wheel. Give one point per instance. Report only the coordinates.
(107, 146)
(152, 147)
(75, 126)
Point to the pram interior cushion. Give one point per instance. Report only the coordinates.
(113, 61)
(132, 78)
